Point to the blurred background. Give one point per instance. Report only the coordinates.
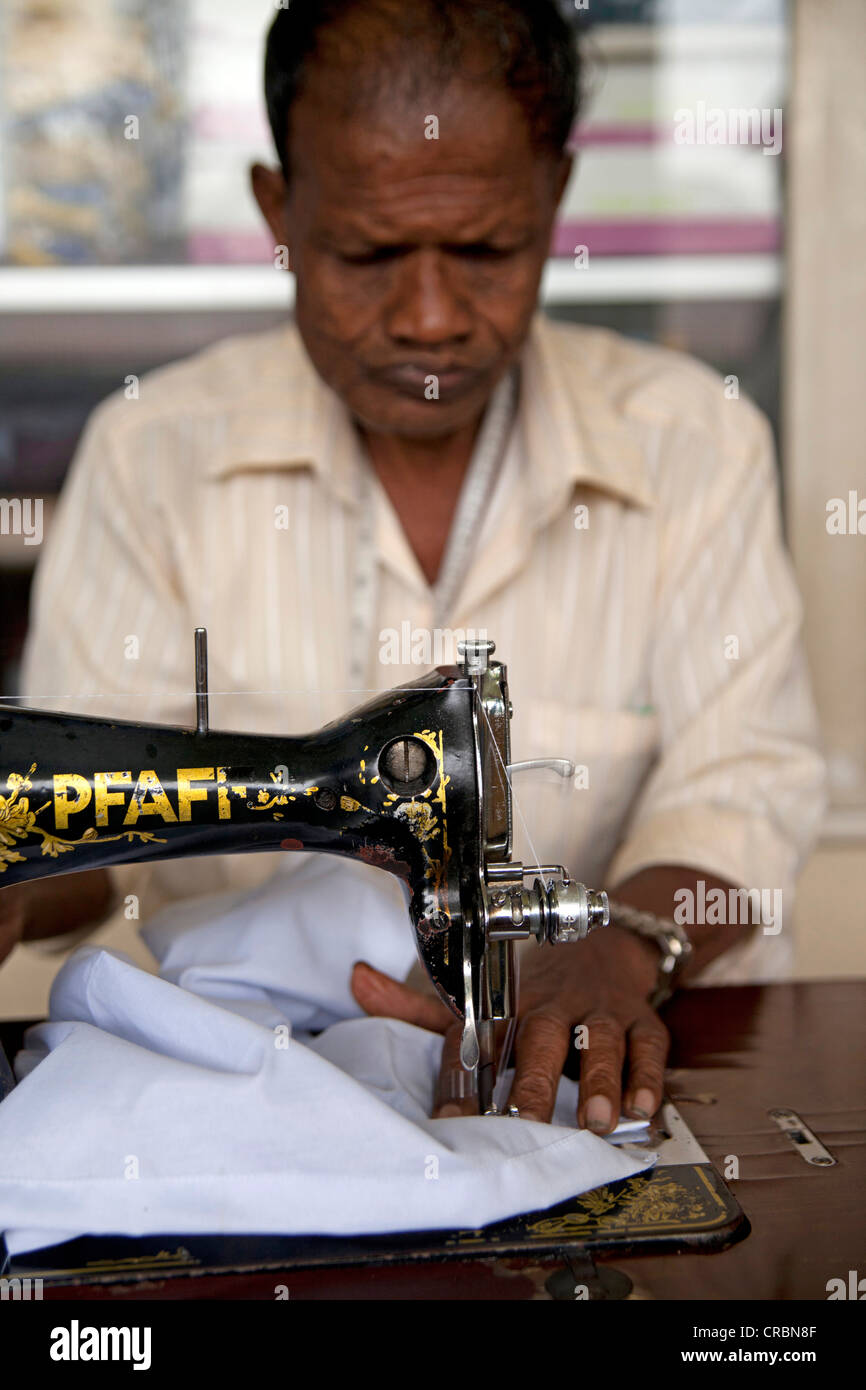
(128, 238)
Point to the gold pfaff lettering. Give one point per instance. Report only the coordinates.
(72, 793)
(63, 807)
(186, 792)
(103, 798)
(225, 806)
(148, 784)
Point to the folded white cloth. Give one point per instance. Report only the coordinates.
(197, 1102)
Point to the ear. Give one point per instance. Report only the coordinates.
(269, 191)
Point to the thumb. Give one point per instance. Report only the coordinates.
(384, 997)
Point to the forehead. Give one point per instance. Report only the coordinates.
(368, 150)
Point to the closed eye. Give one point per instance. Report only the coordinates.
(377, 256)
(474, 251)
(482, 251)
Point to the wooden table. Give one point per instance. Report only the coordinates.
(737, 1052)
(800, 1046)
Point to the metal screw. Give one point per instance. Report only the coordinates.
(325, 800)
(405, 760)
(475, 656)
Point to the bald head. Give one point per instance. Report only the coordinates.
(371, 52)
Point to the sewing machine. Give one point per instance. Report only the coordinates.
(416, 782)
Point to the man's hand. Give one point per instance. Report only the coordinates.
(53, 906)
(11, 919)
(602, 982)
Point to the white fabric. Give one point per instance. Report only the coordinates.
(197, 1101)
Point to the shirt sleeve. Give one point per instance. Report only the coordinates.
(106, 615)
(109, 634)
(116, 600)
(738, 789)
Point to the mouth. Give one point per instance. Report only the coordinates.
(414, 378)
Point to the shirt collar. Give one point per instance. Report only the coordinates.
(286, 417)
(574, 432)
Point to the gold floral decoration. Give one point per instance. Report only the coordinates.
(18, 822)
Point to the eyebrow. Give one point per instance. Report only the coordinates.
(368, 240)
(352, 222)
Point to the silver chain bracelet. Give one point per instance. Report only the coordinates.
(672, 941)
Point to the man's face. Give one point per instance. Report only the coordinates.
(414, 257)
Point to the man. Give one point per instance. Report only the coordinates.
(308, 492)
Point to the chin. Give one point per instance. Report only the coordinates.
(413, 419)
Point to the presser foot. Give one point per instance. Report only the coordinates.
(494, 1040)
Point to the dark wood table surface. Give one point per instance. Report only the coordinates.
(737, 1052)
(799, 1046)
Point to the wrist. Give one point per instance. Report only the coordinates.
(673, 944)
(637, 955)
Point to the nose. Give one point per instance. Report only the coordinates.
(427, 308)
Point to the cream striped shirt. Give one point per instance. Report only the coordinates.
(629, 567)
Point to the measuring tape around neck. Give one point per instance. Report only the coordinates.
(475, 494)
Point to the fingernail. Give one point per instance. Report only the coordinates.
(644, 1103)
(448, 1112)
(598, 1114)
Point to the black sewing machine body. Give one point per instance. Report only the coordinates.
(84, 793)
(416, 782)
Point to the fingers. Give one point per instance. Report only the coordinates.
(540, 1050)
(649, 1041)
(601, 1071)
(601, 1074)
(456, 1090)
(383, 997)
